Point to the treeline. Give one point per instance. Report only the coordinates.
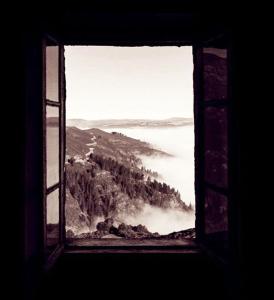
(114, 167)
(91, 193)
(132, 183)
(150, 172)
(97, 193)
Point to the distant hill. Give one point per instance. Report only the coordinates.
(127, 123)
(113, 145)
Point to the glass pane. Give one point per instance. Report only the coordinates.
(53, 219)
(215, 212)
(215, 73)
(52, 145)
(216, 146)
(52, 73)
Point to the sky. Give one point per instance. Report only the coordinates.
(105, 82)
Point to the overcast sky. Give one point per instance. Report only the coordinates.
(106, 82)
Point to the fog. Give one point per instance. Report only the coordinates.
(163, 221)
(160, 220)
(178, 170)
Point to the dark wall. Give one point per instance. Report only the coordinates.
(110, 274)
(140, 276)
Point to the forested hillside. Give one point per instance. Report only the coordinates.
(106, 179)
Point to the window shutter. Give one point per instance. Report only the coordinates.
(54, 148)
(212, 144)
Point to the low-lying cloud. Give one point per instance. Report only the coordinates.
(160, 220)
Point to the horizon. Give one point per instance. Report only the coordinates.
(151, 119)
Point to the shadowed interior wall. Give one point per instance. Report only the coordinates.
(109, 274)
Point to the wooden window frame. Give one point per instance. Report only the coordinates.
(200, 183)
(190, 247)
(60, 104)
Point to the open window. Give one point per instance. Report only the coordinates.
(54, 146)
(212, 145)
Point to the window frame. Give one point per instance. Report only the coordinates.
(190, 246)
(212, 243)
(60, 104)
(200, 182)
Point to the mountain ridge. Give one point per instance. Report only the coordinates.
(113, 145)
(127, 123)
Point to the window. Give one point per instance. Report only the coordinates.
(54, 140)
(212, 145)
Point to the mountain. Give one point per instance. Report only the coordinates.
(105, 188)
(105, 178)
(113, 145)
(127, 123)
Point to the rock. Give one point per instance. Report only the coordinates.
(98, 234)
(109, 222)
(69, 234)
(135, 232)
(105, 226)
(85, 235)
(106, 230)
(184, 234)
(140, 228)
(91, 235)
(122, 227)
(126, 231)
(114, 230)
(102, 226)
(156, 234)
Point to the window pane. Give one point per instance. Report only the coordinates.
(215, 212)
(53, 219)
(52, 73)
(52, 145)
(215, 73)
(216, 146)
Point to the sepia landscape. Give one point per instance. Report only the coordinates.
(109, 189)
(129, 152)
